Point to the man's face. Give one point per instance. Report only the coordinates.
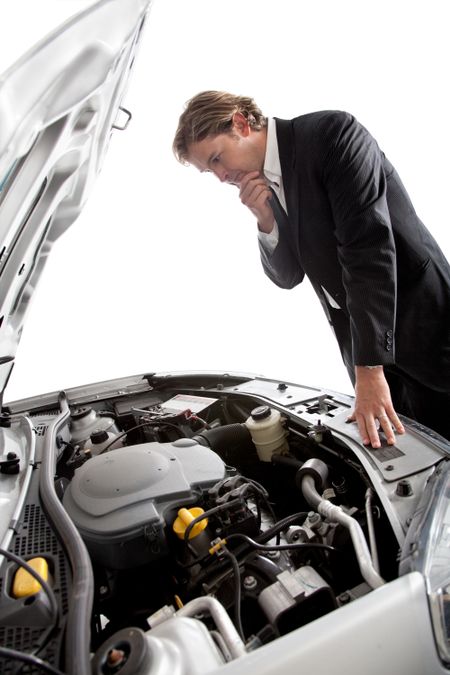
(229, 156)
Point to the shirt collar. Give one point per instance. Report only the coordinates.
(272, 166)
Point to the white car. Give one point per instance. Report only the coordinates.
(189, 523)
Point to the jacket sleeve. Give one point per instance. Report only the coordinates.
(355, 183)
(281, 265)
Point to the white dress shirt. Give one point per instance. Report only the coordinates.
(272, 172)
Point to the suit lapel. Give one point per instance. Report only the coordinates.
(287, 152)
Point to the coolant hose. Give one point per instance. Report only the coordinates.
(221, 619)
(334, 513)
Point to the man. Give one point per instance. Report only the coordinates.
(330, 205)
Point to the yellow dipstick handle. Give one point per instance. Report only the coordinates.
(185, 517)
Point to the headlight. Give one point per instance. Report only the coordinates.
(431, 554)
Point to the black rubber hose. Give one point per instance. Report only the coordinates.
(232, 442)
(283, 460)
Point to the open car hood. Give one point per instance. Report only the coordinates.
(58, 106)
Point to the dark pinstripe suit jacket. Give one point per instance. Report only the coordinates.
(354, 232)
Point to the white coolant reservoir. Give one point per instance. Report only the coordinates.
(267, 431)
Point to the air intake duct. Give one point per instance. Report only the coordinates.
(233, 442)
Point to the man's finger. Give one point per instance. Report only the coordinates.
(385, 424)
(372, 432)
(397, 424)
(253, 188)
(368, 429)
(252, 175)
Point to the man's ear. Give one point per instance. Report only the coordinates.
(240, 124)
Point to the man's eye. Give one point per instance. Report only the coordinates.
(215, 159)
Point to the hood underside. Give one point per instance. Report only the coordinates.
(58, 106)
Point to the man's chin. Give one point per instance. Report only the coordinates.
(237, 180)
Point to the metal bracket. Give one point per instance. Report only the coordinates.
(122, 112)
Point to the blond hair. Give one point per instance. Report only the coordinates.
(210, 113)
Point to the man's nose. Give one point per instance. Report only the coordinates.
(222, 174)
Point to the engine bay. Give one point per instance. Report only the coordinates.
(216, 519)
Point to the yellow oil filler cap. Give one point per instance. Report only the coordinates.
(186, 516)
(24, 584)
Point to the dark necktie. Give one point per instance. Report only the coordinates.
(280, 214)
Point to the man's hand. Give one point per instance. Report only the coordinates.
(373, 403)
(255, 194)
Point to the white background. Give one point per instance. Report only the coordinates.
(161, 271)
